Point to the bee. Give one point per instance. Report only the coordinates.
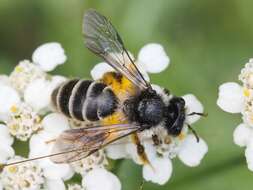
(122, 103)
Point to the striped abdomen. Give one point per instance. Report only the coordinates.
(84, 99)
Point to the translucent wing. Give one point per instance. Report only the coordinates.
(75, 144)
(104, 40)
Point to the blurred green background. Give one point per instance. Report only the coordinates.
(208, 43)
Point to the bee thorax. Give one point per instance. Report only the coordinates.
(145, 109)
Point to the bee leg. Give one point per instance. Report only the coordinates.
(197, 113)
(140, 149)
(156, 140)
(194, 132)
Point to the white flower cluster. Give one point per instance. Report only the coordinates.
(26, 114)
(236, 98)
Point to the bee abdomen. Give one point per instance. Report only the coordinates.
(84, 99)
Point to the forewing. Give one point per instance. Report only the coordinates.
(75, 144)
(102, 39)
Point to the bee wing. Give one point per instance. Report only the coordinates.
(75, 144)
(103, 39)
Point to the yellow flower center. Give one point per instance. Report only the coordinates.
(12, 169)
(14, 109)
(19, 69)
(246, 92)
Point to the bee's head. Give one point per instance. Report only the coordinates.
(175, 115)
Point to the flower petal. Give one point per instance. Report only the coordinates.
(153, 58)
(4, 79)
(55, 184)
(249, 156)
(231, 97)
(49, 55)
(100, 69)
(56, 171)
(5, 136)
(8, 98)
(192, 104)
(132, 152)
(55, 123)
(7, 152)
(101, 179)
(117, 151)
(39, 146)
(242, 135)
(191, 151)
(38, 92)
(160, 172)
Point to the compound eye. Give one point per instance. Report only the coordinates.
(181, 101)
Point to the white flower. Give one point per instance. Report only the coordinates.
(159, 171)
(101, 179)
(42, 144)
(49, 55)
(24, 73)
(85, 165)
(235, 98)
(38, 92)
(153, 58)
(231, 97)
(23, 121)
(191, 151)
(27, 176)
(8, 98)
(5, 144)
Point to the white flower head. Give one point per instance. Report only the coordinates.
(49, 55)
(23, 121)
(24, 73)
(96, 160)
(235, 98)
(25, 176)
